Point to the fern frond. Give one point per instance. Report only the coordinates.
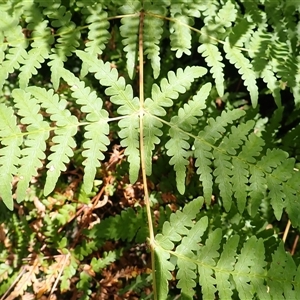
(209, 10)
(291, 192)
(248, 262)
(163, 270)
(32, 61)
(244, 67)
(224, 18)
(239, 170)
(11, 62)
(284, 267)
(241, 32)
(179, 224)
(96, 132)
(186, 273)
(152, 32)
(129, 30)
(208, 255)
(226, 263)
(269, 164)
(179, 82)
(214, 59)
(122, 95)
(35, 143)
(180, 35)
(162, 97)
(63, 140)
(98, 34)
(247, 272)
(66, 44)
(11, 140)
(178, 146)
(203, 150)
(129, 225)
(40, 47)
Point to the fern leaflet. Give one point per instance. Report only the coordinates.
(63, 140)
(96, 132)
(244, 66)
(178, 146)
(35, 143)
(11, 140)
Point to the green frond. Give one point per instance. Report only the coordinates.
(40, 47)
(95, 145)
(61, 152)
(129, 225)
(162, 96)
(180, 35)
(98, 34)
(273, 83)
(130, 33)
(238, 172)
(11, 140)
(122, 95)
(68, 272)
(63, 140)
(214, 59)
(152, 132)
(13, 42)
(179, 82)
(226, 263)
(35, 143)
(291, 191)
(242, 31)
(269, 163)
(32, 61)
(209, 10)
(96, 132)
(178, 145)
(284, 267)
(129, 134)
(277, 180)
(11, 62)
(163, 270)
(207, 256)
(249, 270)
(223, 172)
(152, 32)
(108, 257)
(186, 273)
(119, 92)
(235, 57)
(225, 17)
(204, 144)
(179, 224)
(66, 44)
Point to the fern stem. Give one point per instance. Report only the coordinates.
(286, 231)
(142, 151)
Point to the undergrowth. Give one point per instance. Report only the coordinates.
(149, 149)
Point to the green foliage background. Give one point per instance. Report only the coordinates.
(202, 96)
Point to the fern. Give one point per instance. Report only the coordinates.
(177, 145)
(129, 31)
(246, 272)
(98, 34)
(91, 53)
(35, 144)
(9, 153)
(63, 140)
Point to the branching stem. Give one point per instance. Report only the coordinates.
(143, 166)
